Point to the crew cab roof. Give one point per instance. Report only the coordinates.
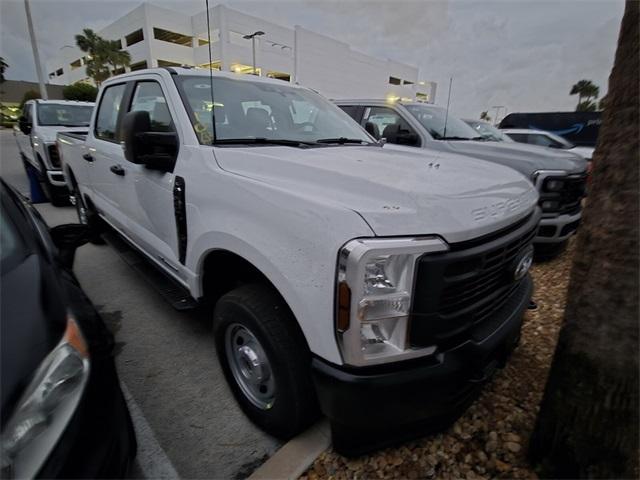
(200, 72)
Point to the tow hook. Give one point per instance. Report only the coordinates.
(532, 305)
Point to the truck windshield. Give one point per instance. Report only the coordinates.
(489, 132)
(247, 110)
(50, 114)
(433, 120)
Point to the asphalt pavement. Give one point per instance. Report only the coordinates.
(188, 423)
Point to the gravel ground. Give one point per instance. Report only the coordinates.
(490, 439)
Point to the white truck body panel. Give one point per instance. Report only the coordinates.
(288, 211)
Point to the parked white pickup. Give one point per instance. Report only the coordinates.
(381, 286)
(35, 134)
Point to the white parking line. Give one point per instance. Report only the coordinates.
(151, 459)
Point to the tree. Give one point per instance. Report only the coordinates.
(29, 95)
(485, 116)
(3, 68)
(588, 420)
(602, 103)
(103, 56)
(585, 89)
(80, 91)
(587, 106)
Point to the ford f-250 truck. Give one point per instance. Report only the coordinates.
(35, 134)
(382, 287)
(560, 177)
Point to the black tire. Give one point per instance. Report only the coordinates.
(543, 252)
(88, 216)
(260, 310)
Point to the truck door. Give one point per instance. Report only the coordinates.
(105, 156)
(24, 141)
(149, 199)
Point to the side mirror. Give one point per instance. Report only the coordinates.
(155, 150)
(24, 125)
(67, 238)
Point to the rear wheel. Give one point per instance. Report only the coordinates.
(87, 216)
(265, 359)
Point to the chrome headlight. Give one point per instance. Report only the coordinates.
(374, 292)
(46, 406)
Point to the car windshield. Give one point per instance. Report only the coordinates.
(259, 113)
(433, 119)
(563, 143)
(61, 114)
(489, 132)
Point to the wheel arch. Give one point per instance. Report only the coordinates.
(222, 270)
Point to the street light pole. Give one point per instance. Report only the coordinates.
(253, 46)
(36, 56)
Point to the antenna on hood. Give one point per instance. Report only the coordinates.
(213, 103)
(446, 116)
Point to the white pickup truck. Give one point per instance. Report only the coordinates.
(380, 287)
(35, 134)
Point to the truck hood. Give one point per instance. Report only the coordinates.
(48, 134)
(525, 158)
(396, 193)
(584, 152)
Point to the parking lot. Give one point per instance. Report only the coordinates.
(187, 421)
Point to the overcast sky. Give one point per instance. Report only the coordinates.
(521, 54)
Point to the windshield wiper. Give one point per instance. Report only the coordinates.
(263, 141)
(458, 138)
(341, 140)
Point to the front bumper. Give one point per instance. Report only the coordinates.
(373, 407)
(557, 229)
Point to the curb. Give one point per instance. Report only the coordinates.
(296, 455)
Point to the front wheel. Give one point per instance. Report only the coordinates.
(265, 360)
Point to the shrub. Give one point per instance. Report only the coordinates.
(29, 95)
(82, 92)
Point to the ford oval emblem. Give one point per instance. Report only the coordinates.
(523, 263)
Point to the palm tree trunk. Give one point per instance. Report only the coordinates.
(588, 421)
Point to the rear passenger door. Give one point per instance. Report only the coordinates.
(105, 154)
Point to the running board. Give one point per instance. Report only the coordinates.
(171, 291)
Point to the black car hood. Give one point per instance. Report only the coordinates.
(32, 323)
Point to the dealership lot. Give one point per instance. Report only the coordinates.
(186, 418)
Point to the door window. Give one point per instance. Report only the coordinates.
(383, 122)
(148, 97)
(108, 110)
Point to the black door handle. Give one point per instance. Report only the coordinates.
(88, 157)
(117, 169)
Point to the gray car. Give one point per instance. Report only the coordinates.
(559, 176)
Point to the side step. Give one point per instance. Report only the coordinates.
(174, 293)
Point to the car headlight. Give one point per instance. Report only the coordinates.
(553, 185)
(550, 205)
(374, 292)
(46, 406)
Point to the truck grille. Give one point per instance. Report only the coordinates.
(54, 156)
(568, 199)
(463, 288)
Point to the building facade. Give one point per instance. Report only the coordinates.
(157, 37)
